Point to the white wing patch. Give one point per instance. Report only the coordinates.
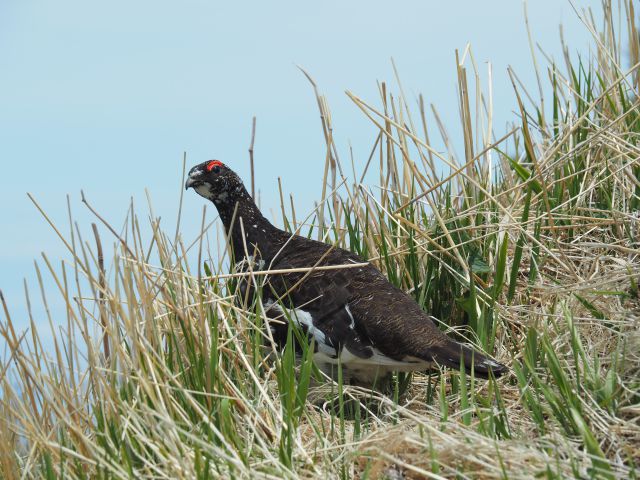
(352, 325)
(327, 353)
(303, 318)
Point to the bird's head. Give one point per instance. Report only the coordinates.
(214, 180)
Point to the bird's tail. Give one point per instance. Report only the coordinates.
(451, 353)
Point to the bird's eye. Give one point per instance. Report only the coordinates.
(214, 166)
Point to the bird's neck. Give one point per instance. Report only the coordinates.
(249, 231)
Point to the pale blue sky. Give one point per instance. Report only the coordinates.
(105, 96)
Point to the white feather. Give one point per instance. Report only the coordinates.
(203, 190)
(378, 359)
(303, 318)
(352, 325)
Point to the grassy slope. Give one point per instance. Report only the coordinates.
(527, 247)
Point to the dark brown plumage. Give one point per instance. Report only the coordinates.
(355, 315)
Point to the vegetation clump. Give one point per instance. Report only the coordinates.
(528, 247)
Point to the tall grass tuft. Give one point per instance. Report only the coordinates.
(526, 246)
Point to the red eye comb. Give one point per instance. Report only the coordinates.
(213, 163)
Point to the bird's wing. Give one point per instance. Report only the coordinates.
(321, 301)
(357, 309)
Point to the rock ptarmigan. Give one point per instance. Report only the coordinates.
(357, 318)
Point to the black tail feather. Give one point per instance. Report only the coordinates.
(451, 353)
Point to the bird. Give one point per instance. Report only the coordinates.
(353, 316)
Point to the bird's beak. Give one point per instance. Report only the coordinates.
(193, 179)
(189, 183)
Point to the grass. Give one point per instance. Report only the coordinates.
(527, 246)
